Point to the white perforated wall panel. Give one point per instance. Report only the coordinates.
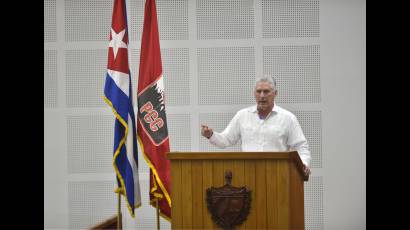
(173, 19)
(290, 18)
(225, 19)
(226, 75)
(90, 202)
(311, 123)
(50, 24)
(175, 68)
(87, 20)
(85, 77)
(179, 131)
(296, 69)
(50, 78)
(135, 19)
(90, 144)
(314, 203)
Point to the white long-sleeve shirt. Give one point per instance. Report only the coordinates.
(280, 131)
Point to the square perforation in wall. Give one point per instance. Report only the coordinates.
(290, 18)
(85, 77)
(87, 20)
(90, 203)
(226, 75)
(175, 67)
(179, 131)
(311, 123)
(222, 19)
(50, 21)
(314, 203)
(218, 122)
(90, 144)
(50, 79)
(296, 69)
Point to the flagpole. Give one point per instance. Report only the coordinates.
(119, 215)
(156, 204)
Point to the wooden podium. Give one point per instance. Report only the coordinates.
(274, 178)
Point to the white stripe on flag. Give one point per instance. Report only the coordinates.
(130, 155)
(122, 80)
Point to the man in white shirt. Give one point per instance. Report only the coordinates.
(263, 127)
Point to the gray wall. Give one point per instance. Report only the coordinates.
(212, 50)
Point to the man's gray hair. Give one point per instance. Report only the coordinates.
(267, 78)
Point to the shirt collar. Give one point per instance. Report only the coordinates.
(274, 109)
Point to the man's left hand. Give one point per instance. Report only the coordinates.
(306, 170)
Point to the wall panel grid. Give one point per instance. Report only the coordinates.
(87, 20)
(232, 19)
(290, 18)
(175, 66)
(179, 131)
(136, 19)
(90, 202)
(314, 219)
(173, 19)
(311, 123)
(50, 21)
(85, 77)
(90, 144)
(296, 69)
(50, 79)
(226, 75)
(91, 20)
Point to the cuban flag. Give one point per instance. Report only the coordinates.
(118, 95)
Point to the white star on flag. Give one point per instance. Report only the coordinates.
(116, 41)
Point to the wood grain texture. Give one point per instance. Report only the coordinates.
(261, 212)
(250, 182)
(272, 194)
(197, 194)
(283, 194)
(186, 184)
(207, 182)
(275, 181)
(176, 195)
(297, 211)
(238, 179)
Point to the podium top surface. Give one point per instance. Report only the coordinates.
(288, 155)
(231, 155)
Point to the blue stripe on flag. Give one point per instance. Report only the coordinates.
(122, 106)
(119, 100)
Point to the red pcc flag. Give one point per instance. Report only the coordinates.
(152, 121)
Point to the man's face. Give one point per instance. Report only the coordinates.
(264, 95)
